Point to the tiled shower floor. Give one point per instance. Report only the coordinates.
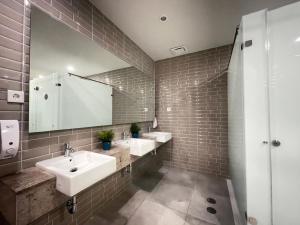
(169, 197)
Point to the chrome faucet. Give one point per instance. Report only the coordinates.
(68, 149)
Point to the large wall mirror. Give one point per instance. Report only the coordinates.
(76, 83)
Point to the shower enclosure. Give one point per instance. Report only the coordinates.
(264, 117)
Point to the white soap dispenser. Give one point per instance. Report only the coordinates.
(10, 136)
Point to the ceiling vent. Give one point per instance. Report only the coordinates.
(180, 50)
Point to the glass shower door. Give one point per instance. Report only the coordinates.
(44, 104)
(284, 81)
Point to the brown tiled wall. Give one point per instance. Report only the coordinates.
(136, 93)
(82, 16)
(89, 202)
(93, 199)
(14, 74)
(195, 88)
(197, 120)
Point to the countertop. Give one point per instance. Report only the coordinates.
(114, 149)
(34, 176)
(26, 179)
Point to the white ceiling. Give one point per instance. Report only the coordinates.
(65, 50)
(196, 24)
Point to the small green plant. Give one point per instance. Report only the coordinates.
(106, 135)
(134, 128)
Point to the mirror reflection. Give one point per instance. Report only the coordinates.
(76, 83)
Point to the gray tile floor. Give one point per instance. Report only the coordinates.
(169, 197)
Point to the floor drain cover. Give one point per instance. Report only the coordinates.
(211, 210)
(73, 169)
(211, 200)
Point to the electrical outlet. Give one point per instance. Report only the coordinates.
(15, 96)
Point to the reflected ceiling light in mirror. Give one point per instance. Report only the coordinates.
(70, 68)
(267, 45)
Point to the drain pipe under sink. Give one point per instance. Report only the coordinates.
(72, 205)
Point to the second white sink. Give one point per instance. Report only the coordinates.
(76, 173)
(162, 137)
(137, 146)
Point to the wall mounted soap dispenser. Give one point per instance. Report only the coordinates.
(10, 137)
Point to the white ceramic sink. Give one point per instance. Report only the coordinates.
(137, 146)
(162, 137)
(81, 170)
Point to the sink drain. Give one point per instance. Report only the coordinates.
(73, 169)
(211, 200)
(211, 210)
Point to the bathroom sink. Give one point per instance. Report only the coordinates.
(137, 146)
(162, 137)
(79, 171)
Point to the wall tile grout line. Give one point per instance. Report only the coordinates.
(12, 30)
(3, 5)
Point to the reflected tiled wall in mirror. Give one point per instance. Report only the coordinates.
(133, 94)
(62, 88)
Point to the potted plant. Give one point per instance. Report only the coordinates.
(106, 137)
(134, 130)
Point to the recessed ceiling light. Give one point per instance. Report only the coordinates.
(298, 39)
(163, 18)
